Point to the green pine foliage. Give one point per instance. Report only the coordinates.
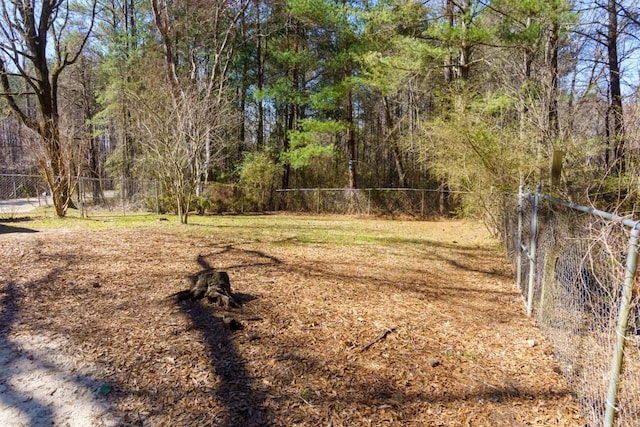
(313, 139)
(454, 95)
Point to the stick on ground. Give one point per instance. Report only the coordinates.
(380, 338)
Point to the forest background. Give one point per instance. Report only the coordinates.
(476, 96)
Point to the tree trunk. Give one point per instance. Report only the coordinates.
(294, 111)
(94, 159)
(351, 142)
(244, 87)
(553, 130)
(448, 61)
(464, 64)
(393, 145)
(54, 168)
(617, 122)
(260, 78)
(290, 123)
(607, 139)
(128, 148)
(527, 59)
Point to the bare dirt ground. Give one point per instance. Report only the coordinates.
(346, 323)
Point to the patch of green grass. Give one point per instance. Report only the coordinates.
(43, 219)
(279, 229)
(295, 230)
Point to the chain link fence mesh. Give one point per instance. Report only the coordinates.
(21, 187)
(19, 193)
(579, 274)
(117, 196)
(369, 201)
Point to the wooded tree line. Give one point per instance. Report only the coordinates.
(474, 95)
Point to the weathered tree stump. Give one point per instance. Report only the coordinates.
(212, 285)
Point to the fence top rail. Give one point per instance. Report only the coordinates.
(631, 223)
(285, 190)
(20, 175)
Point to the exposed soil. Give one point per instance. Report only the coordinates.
(425, 330)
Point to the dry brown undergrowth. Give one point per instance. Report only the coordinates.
(460, 353)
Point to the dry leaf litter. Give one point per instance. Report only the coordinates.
(90, 332)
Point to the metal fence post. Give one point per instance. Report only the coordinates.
(621, 330)
(81, 197)
(532, 252)
(124, 211)
(155, 184)
(519, 240)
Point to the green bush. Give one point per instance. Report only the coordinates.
(259, 174)
(166, 204)
(224, 198)
(201, 204)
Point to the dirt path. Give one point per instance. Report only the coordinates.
(43, 385)
(93, 308)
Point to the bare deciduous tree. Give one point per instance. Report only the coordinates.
(38, 40)
(185, 135)
(179, 135)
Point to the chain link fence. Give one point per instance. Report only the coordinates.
(21, 186)
(116, 196)
(92, 196)
(20, 193)
(369, 201)
(575, 267)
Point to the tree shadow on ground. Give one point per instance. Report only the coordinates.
(434, 287)
(348, 390)
(294, 358)
(244, 404)
(36, 412)
(6, 229)
(489, 271)
(264, 259)
(38, 406)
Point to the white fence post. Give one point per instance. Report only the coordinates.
(157, 194)
(519, 240)
(123, 195)
(81, 201)
(532, 252)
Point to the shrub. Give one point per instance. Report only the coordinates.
(259, 174)
(201, 204)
